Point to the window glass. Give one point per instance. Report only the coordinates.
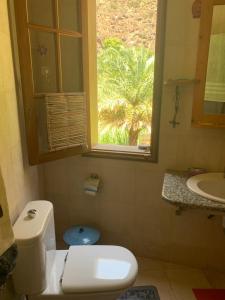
(69, 12)
(40, 12)
(43, 52)
(71, 49)
(126, 32)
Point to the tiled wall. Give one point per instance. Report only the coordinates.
(21, 180)
(129, 210)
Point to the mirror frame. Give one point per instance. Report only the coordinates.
(199, 118)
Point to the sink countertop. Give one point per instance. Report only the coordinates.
(176, 192)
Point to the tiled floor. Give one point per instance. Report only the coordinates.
(175, 282)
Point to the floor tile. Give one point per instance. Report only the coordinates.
(174, 281)
(216, 279)
(157, 279)
(184, 280)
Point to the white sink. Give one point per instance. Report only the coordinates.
(208, 185)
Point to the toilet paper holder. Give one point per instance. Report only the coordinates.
(92, 184)
(94, 176)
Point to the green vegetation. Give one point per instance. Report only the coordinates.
(125, 90)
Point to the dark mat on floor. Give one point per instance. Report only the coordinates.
(141, 293)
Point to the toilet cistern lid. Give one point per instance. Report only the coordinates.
(98, 269)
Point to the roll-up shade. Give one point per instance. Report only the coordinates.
(66, 116)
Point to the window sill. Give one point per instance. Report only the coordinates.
(120, 148)
(120, 152)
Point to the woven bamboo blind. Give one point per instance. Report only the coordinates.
(66, 120)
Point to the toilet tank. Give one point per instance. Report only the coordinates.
(34, 233)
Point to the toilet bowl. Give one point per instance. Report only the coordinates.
(83, 272)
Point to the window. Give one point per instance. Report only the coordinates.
(127, 69)
(74, 100)
(126, 33)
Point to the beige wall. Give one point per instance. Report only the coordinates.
(21, 180)
(218, 23)
(129, 210)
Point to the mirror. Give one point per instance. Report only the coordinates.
(209, 95)
(215, 78)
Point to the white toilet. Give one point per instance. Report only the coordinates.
(82, 272)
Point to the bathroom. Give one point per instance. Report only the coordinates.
(175, 252)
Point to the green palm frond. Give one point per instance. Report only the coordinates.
(125, 85)
(112, 112)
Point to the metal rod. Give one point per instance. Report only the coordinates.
(174, 122)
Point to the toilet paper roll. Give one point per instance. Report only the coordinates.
(92, 183)
(90, 193)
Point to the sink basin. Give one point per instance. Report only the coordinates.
(208, 185)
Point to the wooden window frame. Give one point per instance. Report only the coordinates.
(21, 46)
(157, 89)
(199, 118)
(25, 84)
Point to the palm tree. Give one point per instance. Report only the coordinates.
(125, 87)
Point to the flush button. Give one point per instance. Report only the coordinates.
(32, 213)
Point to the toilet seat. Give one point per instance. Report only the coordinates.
(90, 269)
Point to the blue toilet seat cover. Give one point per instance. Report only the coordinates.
(81, 235)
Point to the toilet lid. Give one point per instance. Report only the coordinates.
(98, 269)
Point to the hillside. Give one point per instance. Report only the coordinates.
(133, 21)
